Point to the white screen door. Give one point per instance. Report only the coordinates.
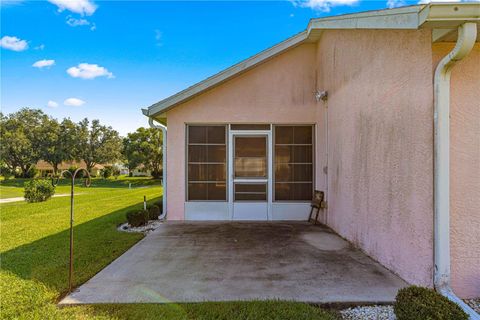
(250, 175)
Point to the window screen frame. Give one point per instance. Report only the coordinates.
(314, 134)
(267, 158)
(186, 162)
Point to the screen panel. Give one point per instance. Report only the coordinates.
(206, 163)
(293, 153)
(250, 156)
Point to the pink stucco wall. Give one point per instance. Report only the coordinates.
(380, 140)
(278, 91)
(465, 171)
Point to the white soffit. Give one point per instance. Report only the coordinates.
(442, 18)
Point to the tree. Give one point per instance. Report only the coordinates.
(131, 154)
(144, 146)
(97, 143)
(58, 142)
(21, 139)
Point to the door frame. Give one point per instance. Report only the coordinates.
(230, 161)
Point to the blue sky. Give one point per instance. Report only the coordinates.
(112, 58)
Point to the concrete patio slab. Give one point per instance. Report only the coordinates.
(192, 262)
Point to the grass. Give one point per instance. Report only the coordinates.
(12, 188)
(34, 256)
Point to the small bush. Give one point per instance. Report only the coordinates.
(6, 172)
(107, 172)
(159, 204)
(38, 190)
(153, 212)
(157, 174)
(31, 173)
(416, 303)
(80, 173)
(137, 218)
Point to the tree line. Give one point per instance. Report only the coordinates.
(29, 135)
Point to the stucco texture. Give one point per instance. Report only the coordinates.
(464, 171)
(374, 135)
(277, 91)
(380, 140)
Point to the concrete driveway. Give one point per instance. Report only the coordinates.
(190, 262)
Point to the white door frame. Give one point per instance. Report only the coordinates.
(231, 178)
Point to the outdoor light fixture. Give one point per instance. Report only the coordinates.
(321, 95)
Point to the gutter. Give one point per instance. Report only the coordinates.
(467, 34)
(164, 163)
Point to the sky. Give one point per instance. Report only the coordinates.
(108, 59)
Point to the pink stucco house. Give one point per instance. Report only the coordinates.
(362, 107)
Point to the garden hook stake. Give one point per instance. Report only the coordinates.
(87, 184)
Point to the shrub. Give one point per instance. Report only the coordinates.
(159, 204)
(107, 172)
(72, 170)
(157, 174)
(153, 212)
(7, 172)
(38, 190)
(416, 303)
(137, 218)
(30, 174)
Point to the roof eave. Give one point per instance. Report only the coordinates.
(213, 81)
(443, 15)
(433, 15)
(399, 18)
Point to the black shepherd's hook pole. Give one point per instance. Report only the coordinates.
(87, 184)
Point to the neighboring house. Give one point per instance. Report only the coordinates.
(122, 169)
(346, 107)
(45, 169)
(141, 171)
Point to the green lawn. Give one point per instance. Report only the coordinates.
(34, 256)
(12, 188)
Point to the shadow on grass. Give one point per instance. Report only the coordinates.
(96, 244)
(96, 182)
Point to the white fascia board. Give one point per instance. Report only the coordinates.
(161, 107)
(400, 18)
(434, 15)
(449, 14)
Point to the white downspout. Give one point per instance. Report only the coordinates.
(467, 34)
(164, 164)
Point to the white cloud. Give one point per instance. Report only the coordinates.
(13, 43)
(11, 2)
(73, 102)
(40, 47)
(395, 3)
(428, 1)
(322, 5)
(89, 71)
(73, 22)
(43, 63)
(158, 37)
(52, 104)
(83, 7)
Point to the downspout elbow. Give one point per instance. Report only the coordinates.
(164, 164)
(467, 34)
